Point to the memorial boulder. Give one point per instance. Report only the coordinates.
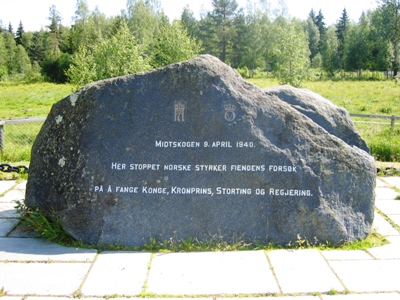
(192, 150)
(334, 119)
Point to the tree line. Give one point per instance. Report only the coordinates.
(251, 38)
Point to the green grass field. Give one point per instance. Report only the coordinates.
(19, 100)
(358, 97)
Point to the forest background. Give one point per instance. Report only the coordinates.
(252, 39)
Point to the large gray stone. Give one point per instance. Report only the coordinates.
(192, 150)
(334, 119)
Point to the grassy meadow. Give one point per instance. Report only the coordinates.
(358, 97)
(20, 100)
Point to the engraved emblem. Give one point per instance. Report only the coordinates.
(179, 112)
(230, 114)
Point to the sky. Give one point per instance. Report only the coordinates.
(34, 13)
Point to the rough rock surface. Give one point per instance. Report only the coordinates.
(193, 151)
(334, 119)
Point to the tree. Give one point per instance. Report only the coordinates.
(313, 38)
(222, 15)
(281, 10)
(291, 53)
(23, 62)
(79, 30)
(330, 58)
(207, 36)
(173, 44)
(54, 68)
(321, 28)
(11, 51)
(341, 33)
(253, 37)
(359, 46)
(36, 50)
(10, 28)
(312, 16)
(389, 11)
(3, 60)
(20, 33)
(54, 31)
(238, 51)
(190, 22)
(118, 55)
(381, 53)
(143, 20)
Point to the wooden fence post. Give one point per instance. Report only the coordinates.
(393, 119)
(2, 135)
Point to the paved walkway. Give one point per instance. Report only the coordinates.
(35, 269)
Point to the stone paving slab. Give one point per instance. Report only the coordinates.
(383, 227)
(380, 183)
(59, 298)
(380, 296)
(385, 193)
(390, 251)
(395, 219)
(120, 273)
(5, 185)
(13, 196)
(42, 278)
(394, 240)
(369, 275)
(22, 249)
(389, 207)
(7, 210)
(303, 271)
(393, 181)
(6, 225)
(203, 273)
(21, 186)
(274, 298)
(22, 231)
(346, 255)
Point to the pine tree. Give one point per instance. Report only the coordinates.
(313, 16)
(313, 37)
(222, 15)
(341, 32)
(319, 21)
(36, 50)
(20, 33)
(55, 32)
(10, 28)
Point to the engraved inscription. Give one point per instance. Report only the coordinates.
(162, 184)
